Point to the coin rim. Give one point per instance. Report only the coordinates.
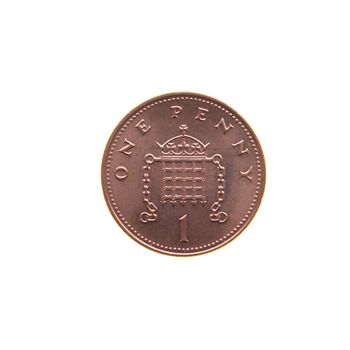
(104, 180)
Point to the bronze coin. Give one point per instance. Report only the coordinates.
(183, 174)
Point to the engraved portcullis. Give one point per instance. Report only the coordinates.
(183, 174)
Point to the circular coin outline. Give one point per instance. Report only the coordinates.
(259, 159)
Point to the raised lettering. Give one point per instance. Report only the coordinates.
(201, 114)
(142, 126)
(247, 173)
(242, 150)
(175, 111)
(121, 173)
(126, 149)
(225, 128)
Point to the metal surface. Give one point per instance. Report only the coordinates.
(183, 174)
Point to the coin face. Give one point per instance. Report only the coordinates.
(183, 174)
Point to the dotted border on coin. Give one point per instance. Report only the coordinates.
(182, 249)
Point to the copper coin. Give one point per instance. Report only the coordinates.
(183, 174)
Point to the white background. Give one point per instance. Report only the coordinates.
(70, 278)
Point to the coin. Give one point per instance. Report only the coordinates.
(183, 174)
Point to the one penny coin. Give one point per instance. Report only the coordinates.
(183, 174)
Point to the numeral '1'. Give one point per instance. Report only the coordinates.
(183, 228)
